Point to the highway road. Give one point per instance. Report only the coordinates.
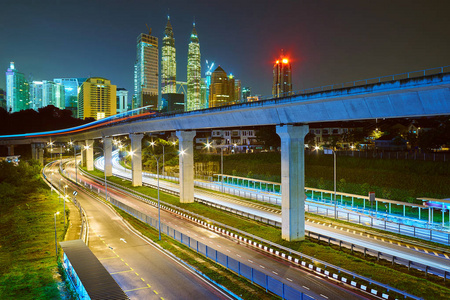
(141, 269)
(382, 245)
(306, 282)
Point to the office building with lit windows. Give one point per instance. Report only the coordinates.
(168, 61)
(17, 90)
(146, 72)
(122, 100)
(71, 88)
(193, 99)
(222, 90)
(282, 85)
(97, 99)
(44, 93)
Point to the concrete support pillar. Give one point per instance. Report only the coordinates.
(136, 159)
(292, 181)
(10, 150)
(90, 155)
(107, 149)
(186, 145)
(34, 152)
(41, 156)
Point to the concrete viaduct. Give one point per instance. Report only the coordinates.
(421, 96)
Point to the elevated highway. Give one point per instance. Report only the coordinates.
(409, 97)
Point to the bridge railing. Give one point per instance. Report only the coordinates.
(360, 82)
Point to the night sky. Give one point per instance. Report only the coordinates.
(328, 41)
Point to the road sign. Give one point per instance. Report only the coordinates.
(327, 151)
(371, 196)
(75, 193)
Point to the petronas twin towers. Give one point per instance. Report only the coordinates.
(169, 65)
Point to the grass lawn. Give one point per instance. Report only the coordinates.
(28, 265)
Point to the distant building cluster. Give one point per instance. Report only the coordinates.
(154, 87)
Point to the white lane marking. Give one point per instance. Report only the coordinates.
(289, 279)
(274, 272)
(228, 250)
(238, 255)
(262, 266)
(219, 246)
(250, 261)
(306, 287)
(123, 240)
(324, 296)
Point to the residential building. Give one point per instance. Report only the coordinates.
(71, 88)
(282, 85)
(231, 140)
(17, 90)
(168, 61)
(146, 72)
(193, 99)
(97, 99)
(122, 100)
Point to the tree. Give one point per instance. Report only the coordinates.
(268, 135)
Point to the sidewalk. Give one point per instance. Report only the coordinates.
(73, 232)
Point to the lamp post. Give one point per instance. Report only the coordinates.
(104, 169)
(331, 151)
(56, 239)
(65, 196)
(221, 165)
(75, 157)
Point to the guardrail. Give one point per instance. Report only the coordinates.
(84, 230)
(429, 234)
(197, 218)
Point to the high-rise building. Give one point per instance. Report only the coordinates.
(146, 72)
(122, 100)
(208, 73)
(246, 92)
(168, 61)
(282, 85)
(97, 99)
(17, 90)
(237, 90)
(2, 99)
(193, 100)
(71, 88)
(219, 94)
(44, 93)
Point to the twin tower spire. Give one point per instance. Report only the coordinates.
(169, 66)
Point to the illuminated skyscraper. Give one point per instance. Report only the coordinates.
(237, 90)
(17, 90)
(168, 61)
(246, 92)
(219, 94)
(97, 99)
(44, 93)
(122, 100)
(146, 71)
(193, 100)
(282, 85)
(208, 74)
(71, 88)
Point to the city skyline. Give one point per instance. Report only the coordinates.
(327, 42)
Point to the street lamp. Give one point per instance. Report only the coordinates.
(56, 239)
(104, 170)
(331, 151)
(75, 157)
(65, 197)
(51, 150)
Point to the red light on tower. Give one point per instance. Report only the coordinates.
(285, 60)
(277, 62)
